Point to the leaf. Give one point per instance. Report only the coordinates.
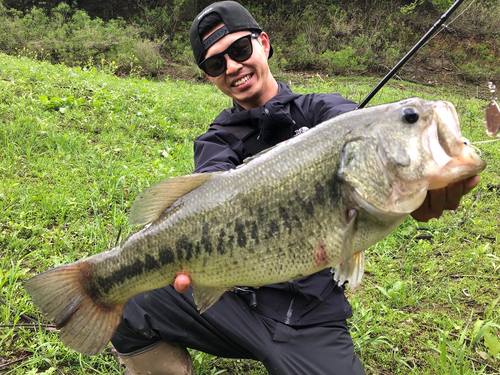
(492, 342)
(3, 279)
(480, 330)
(383, 291)
(475, 330)
(49, 371)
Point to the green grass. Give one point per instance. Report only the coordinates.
(77, 146)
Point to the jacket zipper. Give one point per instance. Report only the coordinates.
(289, 313)
(268, 115)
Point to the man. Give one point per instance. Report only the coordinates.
(298, 327)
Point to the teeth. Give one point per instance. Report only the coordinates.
(241, 81)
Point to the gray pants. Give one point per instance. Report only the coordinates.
(232, 329)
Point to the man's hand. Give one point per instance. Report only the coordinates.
(182, 282)
(447, 198)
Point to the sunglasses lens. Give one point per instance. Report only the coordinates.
(214, 66)
(239, 51)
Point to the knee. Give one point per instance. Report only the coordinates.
(135, 330)
(150, 317)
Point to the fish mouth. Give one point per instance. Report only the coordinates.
(455, 159)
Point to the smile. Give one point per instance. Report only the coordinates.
(241, 81)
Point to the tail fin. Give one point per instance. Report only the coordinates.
(62, 294)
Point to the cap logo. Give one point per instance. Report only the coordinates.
(204, 13)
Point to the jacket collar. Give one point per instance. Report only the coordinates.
(284, 96)
(274, 114)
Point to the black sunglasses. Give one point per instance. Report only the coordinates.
(240, 50)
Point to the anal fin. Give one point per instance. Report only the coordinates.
(205, 297)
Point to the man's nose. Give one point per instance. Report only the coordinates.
(231, 65)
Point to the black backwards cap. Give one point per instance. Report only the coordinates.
(235, 18)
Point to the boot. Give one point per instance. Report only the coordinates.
(162, 359)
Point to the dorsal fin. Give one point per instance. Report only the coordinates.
(154, 200)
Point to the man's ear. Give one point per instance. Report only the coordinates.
(264, 40)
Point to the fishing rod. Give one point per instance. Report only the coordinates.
(417, 46)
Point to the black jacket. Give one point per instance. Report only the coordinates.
(237, 134)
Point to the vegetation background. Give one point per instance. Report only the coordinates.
(324, 36)
(99, 100)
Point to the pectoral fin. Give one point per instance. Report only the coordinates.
(205, 297)
(351, 265)
(153, 201)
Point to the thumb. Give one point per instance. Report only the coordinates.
(182, 283)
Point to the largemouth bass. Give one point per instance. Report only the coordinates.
(315, 201)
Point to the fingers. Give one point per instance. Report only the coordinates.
(182, 283)
(453, 193)
(447, 198)
(471, 183)
(456, 190)
(432, 207)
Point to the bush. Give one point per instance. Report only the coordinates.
(345, 37)
(67, 35)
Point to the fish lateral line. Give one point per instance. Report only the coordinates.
(205, 231)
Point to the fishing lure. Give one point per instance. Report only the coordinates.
(492, 113)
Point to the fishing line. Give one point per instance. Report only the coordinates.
(490, 141)
(415, 48)
(445, 26)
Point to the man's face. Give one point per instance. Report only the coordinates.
(250, 82)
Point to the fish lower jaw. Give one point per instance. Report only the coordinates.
(454, 159)
(459, 168)
(395, 207)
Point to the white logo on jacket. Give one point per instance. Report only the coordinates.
(301, 130)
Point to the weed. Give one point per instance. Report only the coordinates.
(65, 34)
(67, 180)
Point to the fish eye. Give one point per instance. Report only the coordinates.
(410, 115)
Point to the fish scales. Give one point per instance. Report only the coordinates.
(247, 243)
(315, 201)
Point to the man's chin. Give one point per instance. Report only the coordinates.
(245, 95)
